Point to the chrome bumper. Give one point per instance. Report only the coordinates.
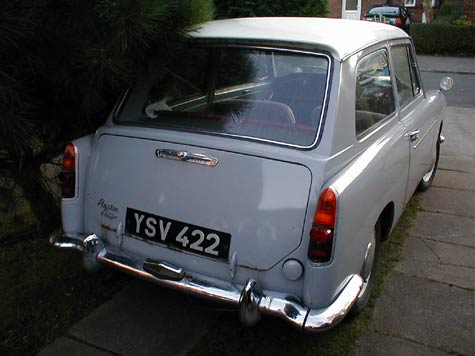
(250, 300)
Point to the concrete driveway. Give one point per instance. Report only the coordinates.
(427, 304)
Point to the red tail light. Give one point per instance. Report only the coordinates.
(321, 236)
(398, 21)
(68, 175)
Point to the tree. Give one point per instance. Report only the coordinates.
(427, 5)
(251, 8)
(62, 67)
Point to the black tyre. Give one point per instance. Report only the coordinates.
(368, 270)
(428, 178)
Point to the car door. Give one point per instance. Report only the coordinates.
(412, 106)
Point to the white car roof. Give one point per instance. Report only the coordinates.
(340, 37)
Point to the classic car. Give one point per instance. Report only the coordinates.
(262, 168)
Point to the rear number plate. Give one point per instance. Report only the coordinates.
(177, 234)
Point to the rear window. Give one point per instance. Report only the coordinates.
(384, 11)
(263, 94)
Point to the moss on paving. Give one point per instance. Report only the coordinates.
(275, 337)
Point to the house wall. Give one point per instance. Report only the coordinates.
(418, 9)
(469, 10)
(336, 5)
(335, 8)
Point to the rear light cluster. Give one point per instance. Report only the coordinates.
(68, 175)
(321, 236)
(398, 21)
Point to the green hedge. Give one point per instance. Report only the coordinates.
(445, 39)
(251, 8)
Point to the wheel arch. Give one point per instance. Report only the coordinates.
(386, 219)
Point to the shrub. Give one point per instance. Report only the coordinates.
(62, 66)
(440, 38)
(452, 13)
(251, 8)
(453, 9)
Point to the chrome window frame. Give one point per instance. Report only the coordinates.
(412, 62)
(321, 121)
(362, 136)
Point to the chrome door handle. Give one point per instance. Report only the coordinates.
(185, 156)
(414, 135)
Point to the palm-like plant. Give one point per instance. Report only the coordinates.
(63, 64)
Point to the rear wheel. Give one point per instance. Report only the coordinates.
(428, 178)
(368, 270)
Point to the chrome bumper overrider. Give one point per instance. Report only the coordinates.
(250, 300)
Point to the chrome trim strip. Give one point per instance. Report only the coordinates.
(121, 102)
(250, 299)
(371, 45)
(185, 156)
(425, 134)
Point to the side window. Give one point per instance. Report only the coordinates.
(416, 83)
(374, 94)
(402, 72)
(407, 80)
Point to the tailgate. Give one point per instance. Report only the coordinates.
(246, 205)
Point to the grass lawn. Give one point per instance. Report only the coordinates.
(43, 292)
(275, 337)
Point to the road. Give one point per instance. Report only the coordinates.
(463, 92)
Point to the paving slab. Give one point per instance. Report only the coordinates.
(456, 202)
(444, 227)
(420, 249)
(445, 263)
(453, 254)
(454, 180)
(376, 344)
(459, 164)
(66, 346)
(416, 249)
(462, 277)
(459, 131)
(144, 320)
(427, 313)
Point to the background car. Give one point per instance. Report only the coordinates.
(394, 15)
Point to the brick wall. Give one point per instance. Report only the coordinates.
(418, 11)
(469, 10)
(335, 8)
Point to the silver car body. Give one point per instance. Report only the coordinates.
(262, 193)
